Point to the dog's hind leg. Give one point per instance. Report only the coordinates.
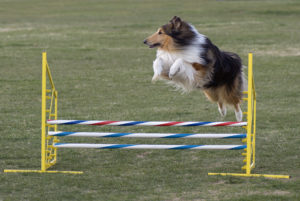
(238, 112)
(222, 109)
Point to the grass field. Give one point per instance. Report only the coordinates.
(103, 71)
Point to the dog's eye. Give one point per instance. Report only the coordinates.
(159, 32)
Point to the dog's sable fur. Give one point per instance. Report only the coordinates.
(189, 60)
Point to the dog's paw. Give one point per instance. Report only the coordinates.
(222, 111)
(155, 78)
(173, 71)
(239, 115)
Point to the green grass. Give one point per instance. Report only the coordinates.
(103, 71)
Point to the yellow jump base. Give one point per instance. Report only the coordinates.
(41, 171)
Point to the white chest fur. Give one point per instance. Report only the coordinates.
(190, 55)
(177, 66)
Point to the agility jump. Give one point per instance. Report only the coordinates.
(50, 134)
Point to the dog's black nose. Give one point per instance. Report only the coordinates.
(145, 41)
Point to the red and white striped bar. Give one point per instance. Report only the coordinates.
(149, 146)
(146, 123)
(147, 135)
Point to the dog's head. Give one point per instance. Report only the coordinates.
(171, 36)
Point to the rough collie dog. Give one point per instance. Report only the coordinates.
(189, 60)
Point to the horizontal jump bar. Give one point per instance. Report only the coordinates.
(147, 146)
(146, 123)
(147, 135)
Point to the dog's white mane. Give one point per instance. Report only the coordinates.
(190, 54)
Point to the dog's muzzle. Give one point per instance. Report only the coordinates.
(151, 45)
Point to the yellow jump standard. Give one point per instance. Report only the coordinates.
(251, 131)
(50, 142)
(49, 111)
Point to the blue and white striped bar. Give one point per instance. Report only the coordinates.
(147, 135)
(145, 123)
(149, 146)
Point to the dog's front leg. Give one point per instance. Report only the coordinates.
(157, 69)
(183, 72)
(176, 67)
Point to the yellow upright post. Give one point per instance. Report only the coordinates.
(43, 123)
(249, 116)
(254, 126)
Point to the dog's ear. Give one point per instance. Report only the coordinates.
(176, 23)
